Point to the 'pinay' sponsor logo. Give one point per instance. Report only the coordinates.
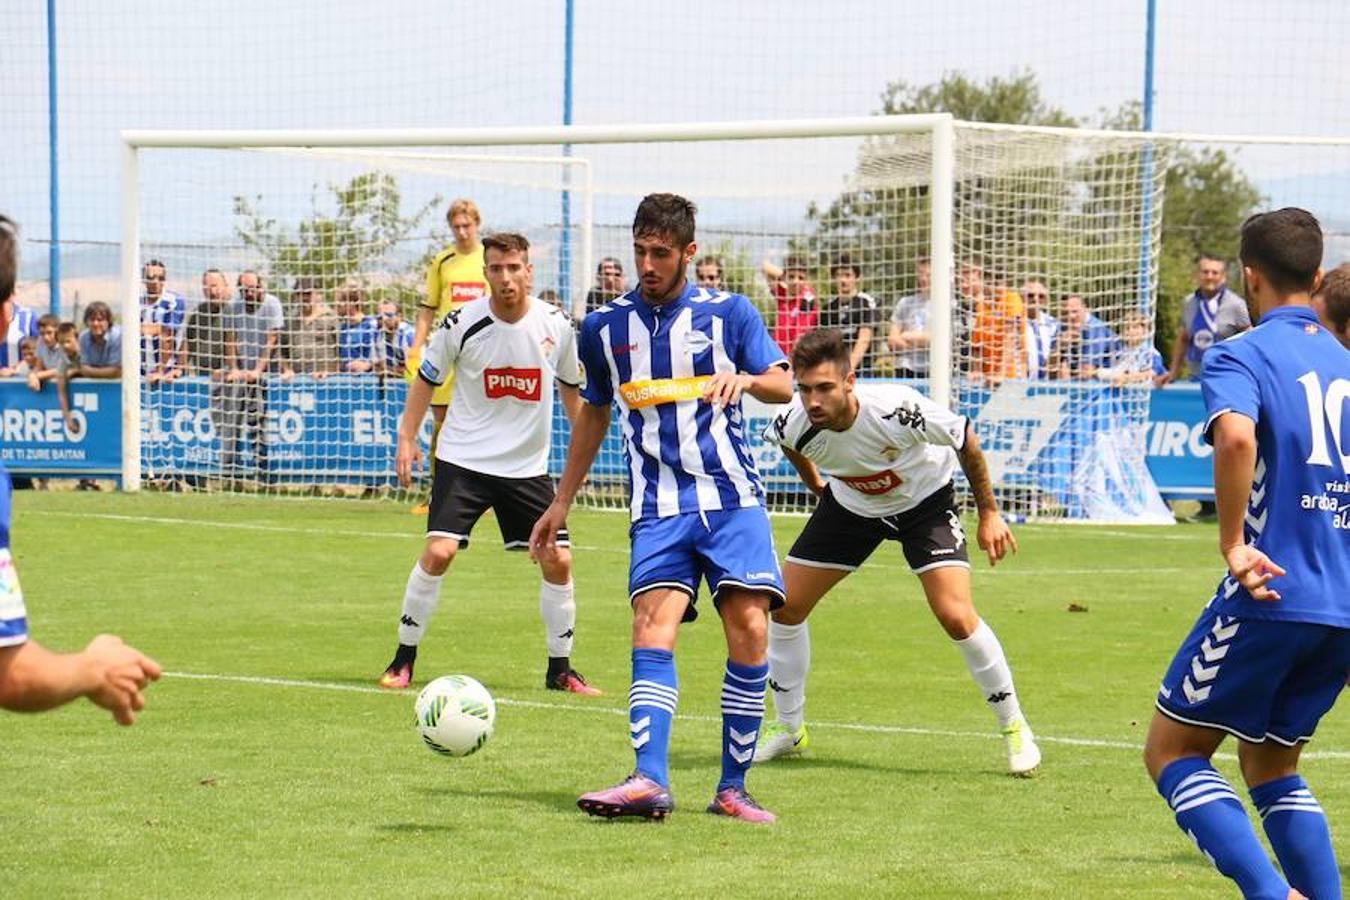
(641, 394)
(464, 291)
(523, 384)
(880, 483)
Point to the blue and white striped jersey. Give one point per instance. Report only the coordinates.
(24, 324)
(13, 618)
(683, 455)
(1291, 377)
(169, 312)
(391, 349)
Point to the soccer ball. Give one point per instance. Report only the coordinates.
(454, 715)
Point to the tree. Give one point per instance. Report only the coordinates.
(1067, 216)
(883, 223)
(354, 241)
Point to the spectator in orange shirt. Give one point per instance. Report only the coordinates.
(998, 321)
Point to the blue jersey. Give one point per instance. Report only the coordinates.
(654, 361)
(13, 618)
(357, 341)
(23, 325)
(1291, 377)
(168, 312)
(392, 349)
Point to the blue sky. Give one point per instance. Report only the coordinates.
(1222, 66)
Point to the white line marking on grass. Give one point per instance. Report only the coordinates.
(412, 535)
(616, 711)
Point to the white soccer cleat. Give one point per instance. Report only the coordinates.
(1024, 757)
(778, 740)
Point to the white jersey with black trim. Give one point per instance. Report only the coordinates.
(898, 451)
(501, 409)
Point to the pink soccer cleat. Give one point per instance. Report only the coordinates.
(736, 803)
(637, 795)
(571, 681)
(396, 677)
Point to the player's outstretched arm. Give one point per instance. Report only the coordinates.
(414, 411)
(108, 672)
(993, 534)
(588, 431)
(1234, 466)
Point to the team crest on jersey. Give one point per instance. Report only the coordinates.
(547, 343)
(696, 342)
(522, 384)
(873, 485)
(890, 453)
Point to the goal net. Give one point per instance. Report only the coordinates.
(954, 232)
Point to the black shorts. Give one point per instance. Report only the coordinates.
(459, 497)
(930, 535)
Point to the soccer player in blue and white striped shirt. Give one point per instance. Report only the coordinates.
(1269, 653)
(675, 359)
(32, 678)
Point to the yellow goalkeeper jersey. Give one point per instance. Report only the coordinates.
(454, 279)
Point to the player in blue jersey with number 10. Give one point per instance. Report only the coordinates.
(675, 359)
(1270, 652)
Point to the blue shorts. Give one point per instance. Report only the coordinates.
(726, 548)
(1256, 678)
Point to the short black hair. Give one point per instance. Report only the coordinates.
(820, 345)
(155, 263)
(1285, 246)
(665, 215)
(507, 242)
(608, 261)
(845, 261)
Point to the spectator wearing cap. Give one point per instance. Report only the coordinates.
(608, 284)
(798, 310)
(853, 313)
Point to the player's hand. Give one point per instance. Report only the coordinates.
(1253, 570)
(409, 457)
(995, 537)
(120, 673)
(724, 389)
(544, 535)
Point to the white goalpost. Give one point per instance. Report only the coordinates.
(962, 217)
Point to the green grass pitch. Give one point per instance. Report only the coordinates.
(268, 765)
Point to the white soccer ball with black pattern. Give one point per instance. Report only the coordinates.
(455, 715)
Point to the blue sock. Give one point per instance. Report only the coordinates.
(1207, 809)
(742, 713)
(1298, 832)
(651, 706)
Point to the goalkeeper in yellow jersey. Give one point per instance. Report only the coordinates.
(454, 278)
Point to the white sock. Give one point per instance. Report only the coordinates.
(984, 658)
(419, 602)
(789, 663)
(558, 609)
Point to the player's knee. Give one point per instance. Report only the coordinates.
(556, 565)
(958, 619)
(787, 614)
(438, 554)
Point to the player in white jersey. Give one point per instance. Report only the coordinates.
(890, 453)
(504, 352)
